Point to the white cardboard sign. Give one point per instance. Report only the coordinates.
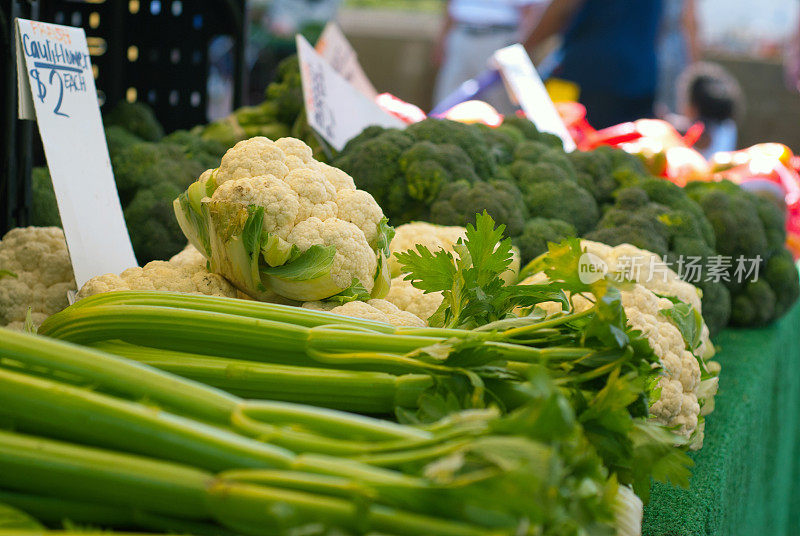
(526, 88)
(56, 87)
(337, 50)
(336, 109)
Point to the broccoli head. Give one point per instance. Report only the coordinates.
(596, 168)
(500, 141)
(154, 231)
(538, 232)
(225, 131)
(144, 164)
(460, 201)
(773, 217)
(716, 303)
(205, 152)
(734, 217)
(754, 306)
(688, 217)
(286, 92)
(468, 137)
(44, 209)
(137, 118)
(118, 138)
(781, 274)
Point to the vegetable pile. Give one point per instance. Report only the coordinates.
(445, 172)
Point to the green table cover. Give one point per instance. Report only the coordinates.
(746, 478)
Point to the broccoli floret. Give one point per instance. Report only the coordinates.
(773, 218)
(286, 92)
(137, 118)
(525, 127)
(428, 166)
(689, 218)
(460, 201)
(154, 231)
(551, 140)
(531, 151)
(118, 138)
(207, 153)
(142, 165)
(538, 232)
(526, 174)
(501, 142)
(734, 218)
(716, 303)
(224, 131)
(781, 274)
(44, 210)
(595, 170)
(645, 236)
(754, 306)
(560, 198)
(465, 136)
(367, 134)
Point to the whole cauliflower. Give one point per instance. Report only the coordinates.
(374, 309)
(35, 273)
(682, 388)
(280, 225)
(185, 272)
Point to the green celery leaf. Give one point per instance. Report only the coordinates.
(428, 271)
(312, 263)
(7, 273)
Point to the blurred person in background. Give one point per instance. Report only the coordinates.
(708, 93)
(609, 51)
(678, 47)
(472, 31)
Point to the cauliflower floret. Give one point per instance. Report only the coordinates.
(407, 297)
(353, 259)
(360, 208)
(162, 276)
(375, 309)
(39, 260)
(189, 258)
(295, 147)
(317, 196)
(337, 177)
(252, 158)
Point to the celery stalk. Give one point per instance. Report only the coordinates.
(356, 391)
(43, 406)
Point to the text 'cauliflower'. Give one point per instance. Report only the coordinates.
(280, 225)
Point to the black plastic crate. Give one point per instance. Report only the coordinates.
(15, 139)
(154, 51)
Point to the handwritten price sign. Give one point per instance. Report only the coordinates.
(56, 88)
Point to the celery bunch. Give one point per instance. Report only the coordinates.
(111, 442)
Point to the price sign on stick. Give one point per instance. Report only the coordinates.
(336, 109)
(337, 50)
(526, 88)
(56, 88)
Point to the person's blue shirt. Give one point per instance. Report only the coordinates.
(610, 47)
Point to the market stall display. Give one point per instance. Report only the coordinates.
(453, 328)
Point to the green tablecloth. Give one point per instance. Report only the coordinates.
(746, 479)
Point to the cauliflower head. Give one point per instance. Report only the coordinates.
(687, 383)
(409, 298)
(281, 226)
(375, 309)
(186, 272)
(35, 273)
